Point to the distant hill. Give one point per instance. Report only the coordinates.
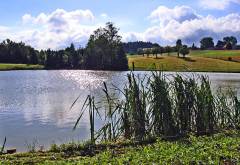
(132, 47)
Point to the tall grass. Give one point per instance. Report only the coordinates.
(164, 106)
(90, 106)
(109, 131)
(161, 107)
(3, 146)
(205, 108)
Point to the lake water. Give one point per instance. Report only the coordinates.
(34, 105)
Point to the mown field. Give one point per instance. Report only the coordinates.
(19, 67)
(207, 61)
(233, 55)
(218, 149)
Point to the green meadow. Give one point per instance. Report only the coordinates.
(196, 61)
(19, 67)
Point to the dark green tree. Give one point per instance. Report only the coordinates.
(220, 44)
(148, 51)
(207, 43)
(178, 46)
(156, 51)
(168, 50)
(140, 51)
(228, 46)
(193, 47)
(231, 39)
(105, 50)
(184, 50)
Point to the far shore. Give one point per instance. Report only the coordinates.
(198, 61)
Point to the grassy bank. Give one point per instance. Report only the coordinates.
(19, 67)
(205, 61)
(214, 149)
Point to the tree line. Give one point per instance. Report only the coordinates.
(157, 49)
(12, 52)
(206, 43)
(104, 51)
(228, 42)
(132, 47)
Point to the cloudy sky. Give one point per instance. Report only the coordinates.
(57, 23)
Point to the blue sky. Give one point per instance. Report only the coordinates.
(56, 23)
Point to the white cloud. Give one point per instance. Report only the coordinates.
(54, 30)
(132, 36)
(164, 14)
(26, 18)
(217, 4)
(60, 16)
(104, 16)
(60, 28)
(5, 32)
(190, 29)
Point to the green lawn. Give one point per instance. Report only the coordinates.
(19, 67)
(215, 53)
(234, 55)
(206, 61)
(215, 149)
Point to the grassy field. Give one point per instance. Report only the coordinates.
(207, 61)
(216, 53)
(215, 149)
(219, 54)
(19, 67)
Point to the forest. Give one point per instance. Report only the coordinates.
(104, 51)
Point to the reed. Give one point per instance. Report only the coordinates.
(90, 106)
(205, 118)
(163, 106)
(109, 131)
(3, 146)
(135, 97)
(237, 111)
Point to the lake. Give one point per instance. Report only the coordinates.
(34, 105)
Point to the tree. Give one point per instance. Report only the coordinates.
(161, 50)
(184, 50)
(155, 51)
(42, 57)
(194, 47)
(178, 46)
(132, 47)
(140, 51)
(168, 49)
(231, 39)
(147, 51)
(33, 57)
(12, 52)
(220, 44)
(105, 50)
(228, 46)
(207, 43)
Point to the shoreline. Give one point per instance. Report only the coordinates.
(136, 70)
(213, 148)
